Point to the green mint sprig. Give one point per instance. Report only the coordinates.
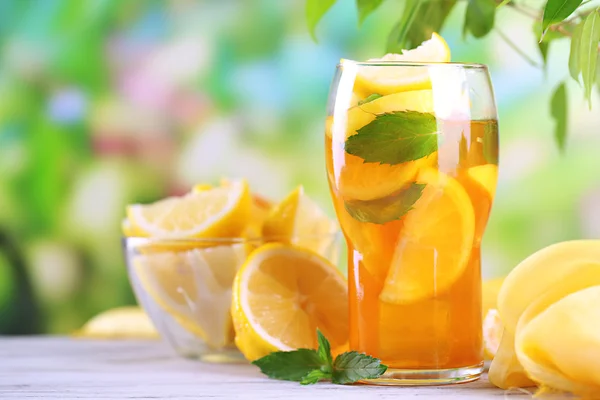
(309, 366)
(395, 138)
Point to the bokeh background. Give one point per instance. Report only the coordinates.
(109, 102)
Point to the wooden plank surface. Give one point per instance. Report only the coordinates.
(66, 368)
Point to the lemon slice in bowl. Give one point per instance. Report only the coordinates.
(194, 287)
(217, 212)
(435, 243)
(299, 221)
(281, 295)
(383, 80)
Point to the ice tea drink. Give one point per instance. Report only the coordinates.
(412, 173)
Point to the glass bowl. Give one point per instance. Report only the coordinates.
(185, 287)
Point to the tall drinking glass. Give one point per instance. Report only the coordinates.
(412, 156)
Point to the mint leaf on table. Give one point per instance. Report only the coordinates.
(386, 209)
(352, 366)
(290, 365)
(395, 138)
(324, 350)
(309, 366)
(315, 376)
(369, 99)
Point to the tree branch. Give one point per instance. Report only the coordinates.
(516, 48)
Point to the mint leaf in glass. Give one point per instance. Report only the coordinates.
(386, 209)
(369, 99)
(352, 366)
(395, 138)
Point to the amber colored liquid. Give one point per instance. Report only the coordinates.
(442, 330)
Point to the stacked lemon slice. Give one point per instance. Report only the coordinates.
(199, 242)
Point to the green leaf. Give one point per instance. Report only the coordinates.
(369, 99)
(556, 11)
(598, 74)
(290, 365)
(479, 18)
(386, 209)
(574, 54)
(315, 376)
(395, 138)
(558, 110)
(590, 39)
(324, 350)
(352, 366)
(419, 20)
(315, 9)
(397, 39)
(366, 7)
(544, 44)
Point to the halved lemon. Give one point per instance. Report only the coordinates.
(194, 287)
(119, 323)
(217, 212)
(492, 333)
(435, 243)
(281, 295)
(377, 78)
(299, 221)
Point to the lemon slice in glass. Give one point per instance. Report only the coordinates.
(381, 80)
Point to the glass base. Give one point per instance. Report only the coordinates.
(426, 377)
(223, 356)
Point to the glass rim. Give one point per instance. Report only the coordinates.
(382, 63)
(217, 240)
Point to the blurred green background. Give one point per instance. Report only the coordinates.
(109, 102)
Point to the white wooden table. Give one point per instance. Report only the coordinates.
(66, 368)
